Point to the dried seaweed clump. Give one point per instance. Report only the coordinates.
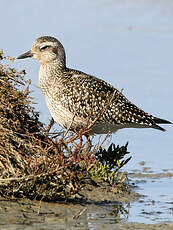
(33, 164)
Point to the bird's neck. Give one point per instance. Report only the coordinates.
(49, 74)
(57, 63)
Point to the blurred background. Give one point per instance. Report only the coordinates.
(128, 43)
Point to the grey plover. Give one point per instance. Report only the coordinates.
(78, 100)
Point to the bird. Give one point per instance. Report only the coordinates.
(78, 100)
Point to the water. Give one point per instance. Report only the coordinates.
(157, 203)
(127, 43)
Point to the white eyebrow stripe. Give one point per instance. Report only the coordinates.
(46, 44)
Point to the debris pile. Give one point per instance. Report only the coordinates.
(36, 165)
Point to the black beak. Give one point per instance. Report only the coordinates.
(25, 55)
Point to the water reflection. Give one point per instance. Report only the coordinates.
(24, 214)
(105, 217)
(121, 212)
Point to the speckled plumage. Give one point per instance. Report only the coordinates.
(76, 99)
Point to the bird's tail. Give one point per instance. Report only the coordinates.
(160, 121)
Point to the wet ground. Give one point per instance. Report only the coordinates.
(34, 215)
(148, 206)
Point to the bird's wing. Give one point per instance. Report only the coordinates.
(90, 97)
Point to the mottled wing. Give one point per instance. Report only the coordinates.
(89, 97)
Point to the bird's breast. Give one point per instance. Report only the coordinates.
(49, 82)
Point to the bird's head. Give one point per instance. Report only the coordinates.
(46, 50)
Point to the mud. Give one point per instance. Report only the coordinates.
(100, 202)
(30, 215)
(99, 207)
(146, 173)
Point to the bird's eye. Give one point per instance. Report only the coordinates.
(44, 47)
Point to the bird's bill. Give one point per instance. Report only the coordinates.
(25, 55)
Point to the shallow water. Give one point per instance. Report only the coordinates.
(127, 43)
(157, 203)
